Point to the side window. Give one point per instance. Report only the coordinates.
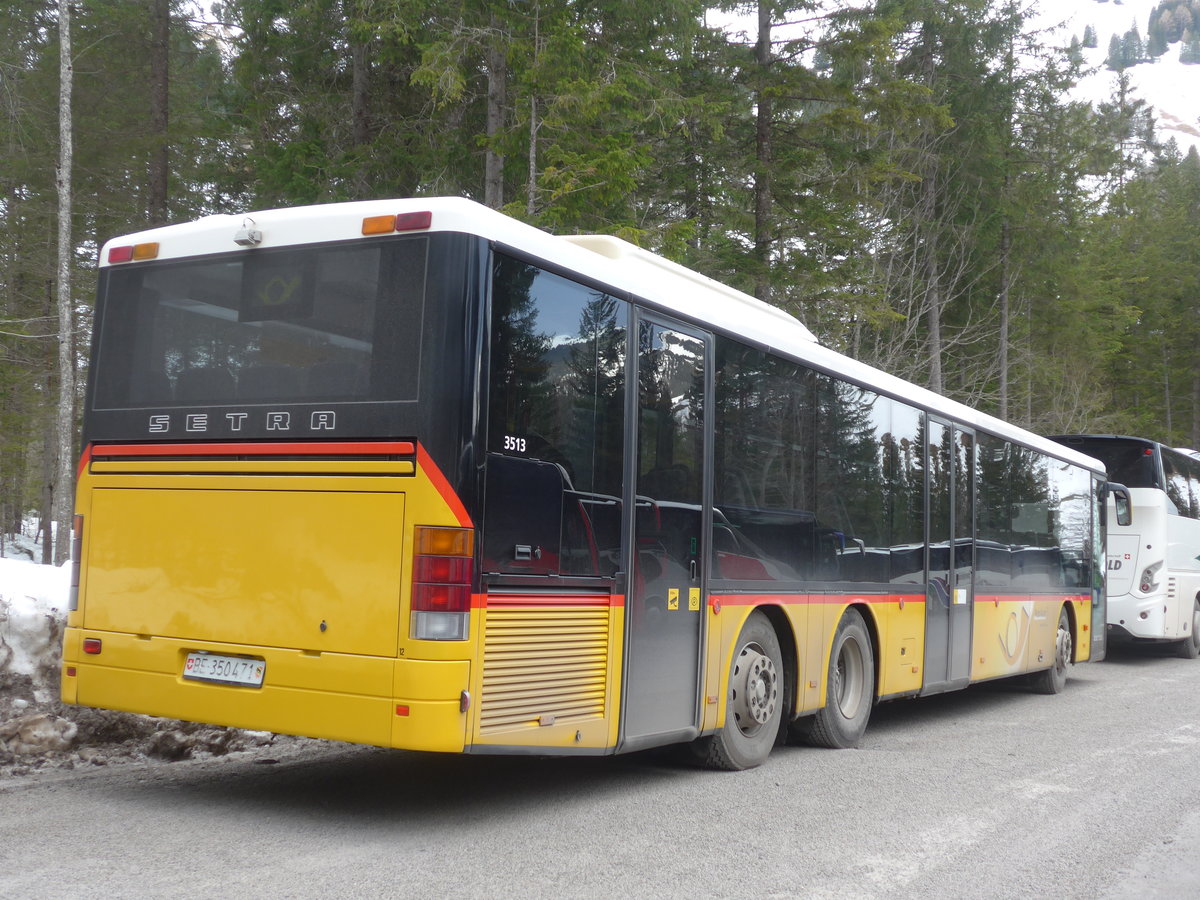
(1071, 504)
(816, 479)
(764, 524)
(1192, 465)
(556, 406)
(993, 513)
(1176, 482)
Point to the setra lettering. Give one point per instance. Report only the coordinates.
(241, 422)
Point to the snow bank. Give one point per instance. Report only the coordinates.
(38, 731)
(33, 610)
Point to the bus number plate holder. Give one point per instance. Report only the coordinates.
(213, 667)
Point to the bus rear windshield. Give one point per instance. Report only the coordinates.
(295, 325)
(1129, 462)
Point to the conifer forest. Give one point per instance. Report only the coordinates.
(907, 177)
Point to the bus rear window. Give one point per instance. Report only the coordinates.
(296, 325)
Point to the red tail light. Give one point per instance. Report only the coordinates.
(443, 571)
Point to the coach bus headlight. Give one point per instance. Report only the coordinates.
(1149, 580)
(443, 570)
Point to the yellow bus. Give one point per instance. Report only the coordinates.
(413, 474)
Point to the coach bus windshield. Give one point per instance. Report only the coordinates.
(1128, 461)
(338, 322)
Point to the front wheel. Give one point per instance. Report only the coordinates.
(1189, 647)
(754, 702)
(850, 690)
(1054, 679)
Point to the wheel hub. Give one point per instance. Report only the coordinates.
(1063, 657)
(755, 689)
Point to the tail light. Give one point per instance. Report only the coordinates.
(1149, 579)
(443, 570)
(76, 556)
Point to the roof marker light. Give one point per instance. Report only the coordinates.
(146, 251)
(414, 221)
(378, 224)
(120, 254)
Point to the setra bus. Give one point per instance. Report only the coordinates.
(1153, 563)
(413, 474)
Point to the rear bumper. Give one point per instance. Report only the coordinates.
(403, 703)
(1141, 618)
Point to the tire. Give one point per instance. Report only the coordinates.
(754, 706)
(1054, 679)
(1189, 647)
(850, 687)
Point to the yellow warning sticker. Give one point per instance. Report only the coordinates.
(672, 598)
(694, 599)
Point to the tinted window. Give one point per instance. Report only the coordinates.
(1034, 519)
(555, 425)
(815, 478)
(765, 524)
(292, 325)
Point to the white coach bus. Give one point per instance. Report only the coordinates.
(1153, 563)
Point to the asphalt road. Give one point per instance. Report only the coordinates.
(992, 792)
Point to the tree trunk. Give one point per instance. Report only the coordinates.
(1005, 284)
(1167, 392)
(1195, 445)
(497, 95)
(763, 156)
(531, 192)
(929, 216)
(360, 89)
(160, 79)
(49, 444)
(64, 421)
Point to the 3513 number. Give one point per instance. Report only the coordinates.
(514, 444)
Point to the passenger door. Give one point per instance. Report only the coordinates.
(950, 591)
(669, 527)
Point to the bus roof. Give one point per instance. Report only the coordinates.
(605, 260)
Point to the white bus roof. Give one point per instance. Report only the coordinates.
(607, 260)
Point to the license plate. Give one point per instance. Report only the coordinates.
(224, 669)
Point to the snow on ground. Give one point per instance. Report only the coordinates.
(1172, 88)
(37, 731)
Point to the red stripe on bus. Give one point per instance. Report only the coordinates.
(1025, 598)
(84, 460)
(812, 599)
(327, 448)
(434, 474)
(494, 601)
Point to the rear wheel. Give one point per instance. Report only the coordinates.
(1189, 647)
(754, 703)
(1054, 679)
(851, 687)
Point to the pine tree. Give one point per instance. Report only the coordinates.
(1116, 54)
(1133, 50)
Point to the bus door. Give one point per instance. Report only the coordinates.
(669, 528)
(950, 590)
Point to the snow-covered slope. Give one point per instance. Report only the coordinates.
(1171, 88)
